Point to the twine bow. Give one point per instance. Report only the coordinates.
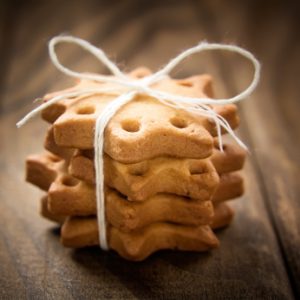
(198, 106)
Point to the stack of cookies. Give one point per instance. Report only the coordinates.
(166, 181)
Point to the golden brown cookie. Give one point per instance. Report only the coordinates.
(194, 178)
(142, 129)
(142, 180)
(69, 196)
(51, 146)
(47, 214)
(138, 245)
(231, 186)
(42, 170)
(231, 159)
(78, 198)
(223, 215)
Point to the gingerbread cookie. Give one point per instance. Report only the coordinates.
(142, 129)
(83, 232)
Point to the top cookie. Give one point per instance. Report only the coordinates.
(144, 128)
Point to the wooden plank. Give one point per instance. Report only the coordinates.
(7, 29)
(272, 123)
(27, 266)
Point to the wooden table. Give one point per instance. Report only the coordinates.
(259, 253)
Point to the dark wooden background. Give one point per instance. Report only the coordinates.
(259, 255)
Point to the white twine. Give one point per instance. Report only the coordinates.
(198, 106)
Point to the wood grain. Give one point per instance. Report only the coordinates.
(259, 254)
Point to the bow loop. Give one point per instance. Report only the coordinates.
(98, 53)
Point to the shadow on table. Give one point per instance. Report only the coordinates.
(159, 275)
(163, 273)
(170, 274)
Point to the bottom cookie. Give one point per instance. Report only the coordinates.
(79, 232)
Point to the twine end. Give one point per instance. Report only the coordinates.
(19, 124)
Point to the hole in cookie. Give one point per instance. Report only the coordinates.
(55, 159)
(186, 83)
(131, 125)
(139, 169)
(196, 169)
(69, 181)
(86, 110)
(178, 122)
(140, 75)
